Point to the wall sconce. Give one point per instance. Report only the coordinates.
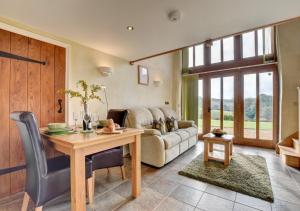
(105, 71)
(157, 82)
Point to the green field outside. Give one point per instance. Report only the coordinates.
(249, 125)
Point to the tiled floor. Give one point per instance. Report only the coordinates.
(164, 189)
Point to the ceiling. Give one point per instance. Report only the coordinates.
(101, 24)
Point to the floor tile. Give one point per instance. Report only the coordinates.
(221, 192)
(241, 207)
(187, 195)
(108, 201)
(253, 202)
(215, 203)
(290, 195)
(280, 205)
(170, 204)
(193, 183)
(164, 186)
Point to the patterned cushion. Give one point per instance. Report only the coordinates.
(172, 124)
(160, 125)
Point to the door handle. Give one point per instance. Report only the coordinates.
(60, 110)
(209, 109)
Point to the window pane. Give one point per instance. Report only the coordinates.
(228, 104)
(248, 44)
(260, 42)
(228, 49)
(215, 102)
(216, 51)
(199, 58)
(200, 106)
(266, 105)
(268, 40)
(191, 57)
(250, 106)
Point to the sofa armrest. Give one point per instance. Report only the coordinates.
(151, 132)
(186, 124)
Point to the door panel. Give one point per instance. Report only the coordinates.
(250, 105)
(30, 87)
(243, 103)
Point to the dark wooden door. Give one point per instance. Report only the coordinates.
(31, 87)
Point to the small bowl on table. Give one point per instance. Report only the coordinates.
(218, 132)
(55, 126)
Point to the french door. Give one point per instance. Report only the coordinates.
(241, 102)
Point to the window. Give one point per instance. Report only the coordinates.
(199, 55)
(245, 49)
(228, 49)
(216, 51)
(268, 40)
(260, 42)
(248, 44)
(191, 57)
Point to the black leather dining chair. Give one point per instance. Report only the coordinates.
(45, 179)
(111, 157)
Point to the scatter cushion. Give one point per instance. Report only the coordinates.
(160, 125)
(172, 124)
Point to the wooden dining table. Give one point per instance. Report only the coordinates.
(79, 145)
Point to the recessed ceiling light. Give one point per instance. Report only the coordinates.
(130, 28)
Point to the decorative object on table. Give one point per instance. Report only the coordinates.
(143, 75)
(110, 128)
(247, 174)
(58, 129)
(75, 118)
(218, 132)
(89, 93)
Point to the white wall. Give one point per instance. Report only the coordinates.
(123, 90)
(289, 69)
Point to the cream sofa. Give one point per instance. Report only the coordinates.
(157, 149)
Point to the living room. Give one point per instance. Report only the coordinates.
(135, 105)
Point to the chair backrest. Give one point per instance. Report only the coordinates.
(36, 162)
(119, 116)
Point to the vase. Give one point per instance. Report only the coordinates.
(86, 124)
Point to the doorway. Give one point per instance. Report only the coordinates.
(242, 102)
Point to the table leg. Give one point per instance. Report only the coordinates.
(78, 197)
(226, 154)
(211, 147)
(136, 166)
(205, 150)
(231, 148)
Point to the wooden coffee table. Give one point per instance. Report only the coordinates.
(226, 140)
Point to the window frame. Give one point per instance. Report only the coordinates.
(238, 60)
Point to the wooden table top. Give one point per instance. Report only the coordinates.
(79, 140)
(210, 136)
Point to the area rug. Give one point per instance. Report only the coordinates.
(247, 174)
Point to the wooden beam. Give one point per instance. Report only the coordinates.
(234, 34)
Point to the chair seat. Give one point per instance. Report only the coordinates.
(108, 158)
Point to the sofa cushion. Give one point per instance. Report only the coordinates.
(160, 125)
(191, 130)
(157, 114)
(171, 139)
(168, 112)
(139, 118)
(172, 124)
(183, 134)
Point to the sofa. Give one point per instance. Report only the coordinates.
(159, 149)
